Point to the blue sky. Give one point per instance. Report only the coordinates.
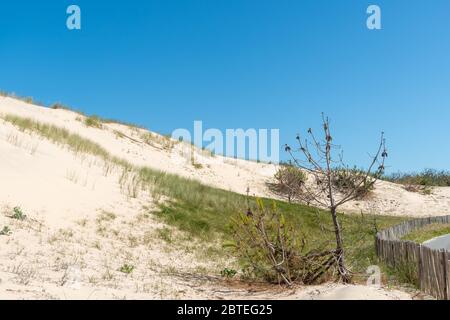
(245, 64)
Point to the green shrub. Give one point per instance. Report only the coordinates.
(228, 273)
(289, 182)
(428, 177)
(5, 231)
(18, 214)
(58, 105)
(126, 268)
(270, 249)
(345, 180)
(93, 121)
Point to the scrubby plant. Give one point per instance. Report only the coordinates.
(5, 231)
(405, 273)
(422, 182)
(59, 105)
(29, 100)
(428, 177)
(158, 141)
(196, 165)
(93, 121)
(346, 179)
(165, 234)
(18, 214)
(425, 190)
(228, 273)
(126, 268)
(289, 182)
(271, 249)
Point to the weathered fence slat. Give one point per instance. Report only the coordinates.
(433, 266)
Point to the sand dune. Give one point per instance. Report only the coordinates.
(81, 218)
(229, 174)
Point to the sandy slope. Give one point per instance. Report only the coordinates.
(225, 173)
(229, 174)
(82, 227)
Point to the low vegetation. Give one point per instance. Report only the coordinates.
(228, 273)
(428, 232)
(59, 105)
(24, 99)
(270, 248)
(205, 212)
(404, 273)
(93, 121)
(289, 182)
(6, 231)
(18, 214)
(126, 268)
(426, 178)
(157, 140)
(345, 180)
(63, 137)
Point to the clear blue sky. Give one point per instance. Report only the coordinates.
(245, 63)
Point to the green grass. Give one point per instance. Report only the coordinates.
(126, 268)
(63, 137)
(428, 232)
(18, 214)
(205, 212)
(404, 274)
(93, 121)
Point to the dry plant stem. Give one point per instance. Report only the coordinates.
(325, 170)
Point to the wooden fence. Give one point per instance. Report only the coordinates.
(431, 266)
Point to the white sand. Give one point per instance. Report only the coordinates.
(229, 174)
(82, 226)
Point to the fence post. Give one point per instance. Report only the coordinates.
(420, 265)
(446, 284)
(430, 272)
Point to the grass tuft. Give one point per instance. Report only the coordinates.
(93, 121)
(18, 214)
